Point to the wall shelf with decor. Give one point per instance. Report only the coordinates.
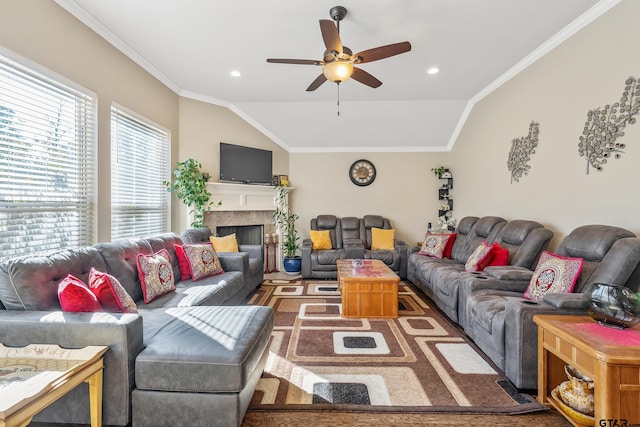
(444, 194)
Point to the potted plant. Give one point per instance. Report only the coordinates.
(286, 223)
(190, 186)
(438, 171)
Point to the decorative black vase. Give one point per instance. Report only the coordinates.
(613, 305)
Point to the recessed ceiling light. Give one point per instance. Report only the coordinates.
(235, 73)
(433, 70)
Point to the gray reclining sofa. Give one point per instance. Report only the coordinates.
(190, 357)
(351, 238)
(489, 305)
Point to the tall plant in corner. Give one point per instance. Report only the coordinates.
(190, 186)
(286, 223)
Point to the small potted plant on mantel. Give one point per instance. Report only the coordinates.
(286, 223)
(190, 186)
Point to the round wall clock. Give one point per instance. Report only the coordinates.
(362, 172)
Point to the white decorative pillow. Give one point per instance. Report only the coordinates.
(553, 274)
(156, 275)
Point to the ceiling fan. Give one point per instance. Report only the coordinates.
(338, 61)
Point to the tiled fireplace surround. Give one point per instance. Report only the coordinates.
(242, 205)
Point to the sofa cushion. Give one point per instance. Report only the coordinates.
(436, 245)
(553, 274)
(320, 239)
(75, 296)
(480, 258)
(230, 344)
(198, 261)
(156, 275)
(382, 239)
(225, 243)
(110, 293)
(500, 255)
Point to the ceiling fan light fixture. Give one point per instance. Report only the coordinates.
(337, 71)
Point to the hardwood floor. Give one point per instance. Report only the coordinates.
(356, 419)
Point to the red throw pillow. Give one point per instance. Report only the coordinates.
(156, 275)
(480, 258)
(435, 245)
(183, 263)
(500, 255)
(449, 247)
(110, 293)
(553, 274)
(75, 296)
(200, 259)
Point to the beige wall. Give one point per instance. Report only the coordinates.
(585, 72)
(405, 190)
(41, 31)
(202, 127)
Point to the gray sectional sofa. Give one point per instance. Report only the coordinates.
(489, 305)
(191, 357)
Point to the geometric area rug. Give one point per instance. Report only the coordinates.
(419, 362)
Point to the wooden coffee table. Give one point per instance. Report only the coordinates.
(368, 291)
(33, 377)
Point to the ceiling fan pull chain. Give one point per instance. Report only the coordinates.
(338, 99)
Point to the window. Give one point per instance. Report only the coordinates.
(139, 164)
(47, 162)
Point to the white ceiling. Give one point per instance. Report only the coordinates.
(192, 45)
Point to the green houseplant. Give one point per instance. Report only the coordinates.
(286, 223)
(190, 186)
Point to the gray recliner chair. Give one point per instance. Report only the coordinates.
(501, 321)
(321, 263)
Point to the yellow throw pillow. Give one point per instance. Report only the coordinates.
(382, 239)
(225, 243)
(320, 239)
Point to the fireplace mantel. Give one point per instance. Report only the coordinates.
(243, 197)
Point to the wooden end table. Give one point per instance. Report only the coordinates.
(33, 377)
(368, 291)
(610, 357)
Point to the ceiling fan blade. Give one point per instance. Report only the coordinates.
(365, 78)
(316, 83)
(382, 52)
(330, 36)
(294, 61)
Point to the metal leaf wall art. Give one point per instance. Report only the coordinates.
(605, 125)
(521, 150)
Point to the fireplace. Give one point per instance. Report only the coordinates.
(245, 234)
(246, 210)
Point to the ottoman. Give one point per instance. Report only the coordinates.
(200, 366)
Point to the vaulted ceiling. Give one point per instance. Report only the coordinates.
(193, 45)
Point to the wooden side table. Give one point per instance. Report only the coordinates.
(35, 376)
(610, 357)
(368, 291)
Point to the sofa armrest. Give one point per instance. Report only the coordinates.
(567, 301)
(254, 251)
(234, 261)
(121, 332)
(509, 272)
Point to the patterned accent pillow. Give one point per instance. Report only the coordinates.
(110, 293)
(480, 258)
(500, 255)
(156, 275)
(553, 274)
(75, 296)
(201, 259)
(436, 245)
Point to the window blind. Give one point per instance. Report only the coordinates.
(139, 165)
(47, 163)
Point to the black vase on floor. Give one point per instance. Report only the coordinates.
(613, 305)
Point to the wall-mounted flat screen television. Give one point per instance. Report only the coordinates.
(245, 165)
